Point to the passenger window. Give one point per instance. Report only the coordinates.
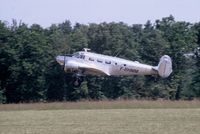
(124, 64)
(108, 62)
(91, 59)
(98, 60)
(82, 56)
(115, 63)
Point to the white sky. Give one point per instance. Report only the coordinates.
(46, 12)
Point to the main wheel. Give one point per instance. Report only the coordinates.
(81, 79)
(77, 82)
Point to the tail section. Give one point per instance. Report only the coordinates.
(164, 67)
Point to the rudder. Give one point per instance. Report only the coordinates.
(164, 67)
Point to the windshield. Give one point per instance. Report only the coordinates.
(78, 55)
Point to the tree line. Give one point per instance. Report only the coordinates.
(30, 73)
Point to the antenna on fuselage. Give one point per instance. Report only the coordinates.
(86, 49)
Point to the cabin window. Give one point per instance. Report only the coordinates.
(115, 63)
(108, 62)
(124, 64)
(91, 59)
(98, 60)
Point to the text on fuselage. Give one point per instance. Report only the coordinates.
(126, 69)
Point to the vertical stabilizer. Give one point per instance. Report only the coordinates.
(164, 67)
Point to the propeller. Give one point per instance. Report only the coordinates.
(64, 61)
(65, 77)
(69, 55)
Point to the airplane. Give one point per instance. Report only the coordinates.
(85, 62)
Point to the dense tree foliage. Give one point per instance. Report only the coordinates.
(29, 72)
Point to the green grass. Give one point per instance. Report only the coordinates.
(101, 121)
(107, 117)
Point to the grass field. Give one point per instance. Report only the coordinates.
(118, 117)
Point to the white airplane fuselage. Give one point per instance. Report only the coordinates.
(98, 64)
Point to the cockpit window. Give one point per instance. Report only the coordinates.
(82, 56)
(77, 55)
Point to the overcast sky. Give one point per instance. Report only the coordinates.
(46, 12)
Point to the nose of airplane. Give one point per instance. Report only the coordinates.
(60, 60)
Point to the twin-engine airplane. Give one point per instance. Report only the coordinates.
(88, 63)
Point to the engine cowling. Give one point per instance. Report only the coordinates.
(70, 66)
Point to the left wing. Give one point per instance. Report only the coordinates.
(93, 69)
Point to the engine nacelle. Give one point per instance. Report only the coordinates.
(71, 66)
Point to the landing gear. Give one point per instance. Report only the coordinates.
(77, 81)
(78, 78)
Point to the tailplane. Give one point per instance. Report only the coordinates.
(164, 67)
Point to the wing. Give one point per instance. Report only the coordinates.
(93, 69)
